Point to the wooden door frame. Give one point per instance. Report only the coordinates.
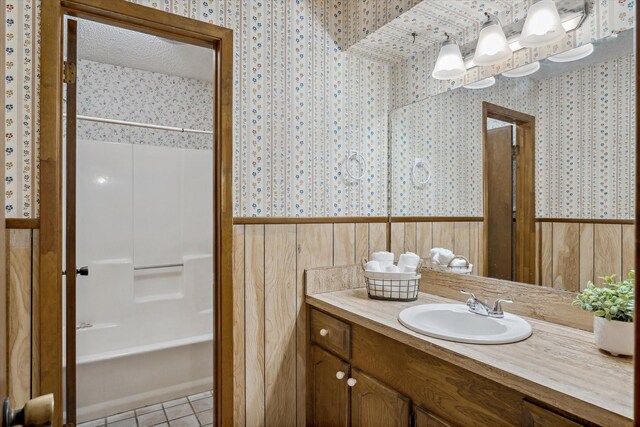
(525, 243)
(49, 310)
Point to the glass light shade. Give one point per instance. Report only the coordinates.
(492, 45)
(449, 64)
(525, 70)
(542, 25)
(482, 84)
(573, 54)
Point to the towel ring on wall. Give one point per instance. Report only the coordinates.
(419, 163)
(362, 165)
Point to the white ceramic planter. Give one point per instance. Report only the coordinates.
(614, 336)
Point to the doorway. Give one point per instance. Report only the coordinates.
(139, 174)
(509, 193)
(57, 255)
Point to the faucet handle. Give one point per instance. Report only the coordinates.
(497, 307)
(473, 297)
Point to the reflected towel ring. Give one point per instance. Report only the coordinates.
(419, 163)
(362, 165)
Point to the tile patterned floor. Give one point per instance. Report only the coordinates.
(191, 411)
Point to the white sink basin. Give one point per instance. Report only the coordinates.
(454, 322)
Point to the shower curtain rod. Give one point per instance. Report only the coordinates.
(142, 125)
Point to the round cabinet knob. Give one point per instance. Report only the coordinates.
(351, 382)
(324, 332)
(339, 375)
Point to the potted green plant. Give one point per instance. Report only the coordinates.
(612, 304)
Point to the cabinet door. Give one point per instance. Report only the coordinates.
(329, 390)
(425, 418)
(536, 416)
(375, 404)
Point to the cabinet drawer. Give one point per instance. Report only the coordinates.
(331, 334)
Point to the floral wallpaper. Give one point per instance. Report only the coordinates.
(20, 114)
(310, 88)
(585, 145)
(586, 142)
(301, 105)
(122, 93)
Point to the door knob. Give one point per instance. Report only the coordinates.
(351, 382)
(36, 412)
(340, 375)
(324, 332)
(82, 271)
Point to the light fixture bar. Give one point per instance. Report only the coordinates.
(572, 14)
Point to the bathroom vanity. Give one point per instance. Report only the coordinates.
(365, 368)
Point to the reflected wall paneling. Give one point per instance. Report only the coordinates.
(568, 254)
(461, 237)
(270, 316)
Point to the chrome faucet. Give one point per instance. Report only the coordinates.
(482, 308)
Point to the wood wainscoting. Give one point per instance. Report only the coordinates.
(569, 252)
(270, 323)
(21, 277)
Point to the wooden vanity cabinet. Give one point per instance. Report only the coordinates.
(344, 396)
(329, 394)
(536, 416)
(340, 395)
(375, 404)
(424, 418)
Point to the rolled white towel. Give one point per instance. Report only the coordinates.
(408, 269)
(383, 257)
(442, 256)
(408, 259)
(392, 269)
(373, 266)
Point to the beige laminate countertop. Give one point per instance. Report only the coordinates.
(557, 365)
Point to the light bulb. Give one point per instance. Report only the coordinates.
(492, 46)
(542, 25)
(449, 64)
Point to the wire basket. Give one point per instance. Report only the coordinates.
(463, 269)
(392, 286)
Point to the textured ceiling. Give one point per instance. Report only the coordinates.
(430, 19)
(112, 45)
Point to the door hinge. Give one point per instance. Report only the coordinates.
(69, 72)
(515, 150)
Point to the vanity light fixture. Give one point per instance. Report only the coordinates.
(542, 25)
(449, 64)
(575, 54)
(523, 71)
(481, 84)
(492, 46)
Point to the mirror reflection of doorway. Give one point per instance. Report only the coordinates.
(139, 229)
(509, 194)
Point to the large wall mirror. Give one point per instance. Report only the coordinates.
(529, 174)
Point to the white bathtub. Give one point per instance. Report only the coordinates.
(143, 347)
(143, 376)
